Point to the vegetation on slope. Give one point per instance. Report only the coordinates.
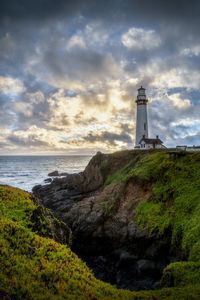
(175, 207)
(176, 202)
(34, 266)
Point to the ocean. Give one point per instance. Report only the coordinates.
(27, 171)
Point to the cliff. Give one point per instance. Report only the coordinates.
(134, 218)
(132, 213)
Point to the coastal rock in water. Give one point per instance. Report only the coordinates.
(48, 180)
(63, 174)
(54, 173)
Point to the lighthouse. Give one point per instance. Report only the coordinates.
(142, 118)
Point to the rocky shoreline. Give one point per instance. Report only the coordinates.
(102, 219)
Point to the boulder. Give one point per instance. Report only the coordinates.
(54, 173)
(63, 174)
(145, 265)
(48, 180)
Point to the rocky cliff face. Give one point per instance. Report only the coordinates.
(100, 209)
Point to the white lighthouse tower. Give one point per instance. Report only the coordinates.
(142, 119)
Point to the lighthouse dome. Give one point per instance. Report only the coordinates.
(141, 91)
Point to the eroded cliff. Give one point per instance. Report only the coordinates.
(121, 212)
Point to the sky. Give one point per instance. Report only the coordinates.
(70, 70)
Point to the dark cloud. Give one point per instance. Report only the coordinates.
(125, 128)
(30, 140)
(21, 10)
(41, 9)
(7, 117)
(108, 137)
(3, 144)
(91, 98)
(80, 120)
(81, 64)
(30, 111)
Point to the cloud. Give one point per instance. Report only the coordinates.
(193, 50)
(178, 102)
(30, 140)
(81, 65)
(182, 76)
(12, 86)
(96, 34)
(156, 10)
(7, 45)
(108, 137)
(138, 38)
(172, 118)
(31, 109)
(76, 41)
(33, 137)
(37, 9)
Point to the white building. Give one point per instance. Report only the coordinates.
(142, 120)
(146, 143)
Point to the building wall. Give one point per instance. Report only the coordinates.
(144, 146)
(193, 149)
(186, 148)
(148, 146)
(141, 129)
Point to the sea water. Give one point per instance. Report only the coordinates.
(27, 171)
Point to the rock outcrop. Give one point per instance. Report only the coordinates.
(56, 173)
(101, 216)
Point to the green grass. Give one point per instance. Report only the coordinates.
(23, 208)
(175, 206)
(124, 173)
(179, 274)
(176, 199)
(34, 267)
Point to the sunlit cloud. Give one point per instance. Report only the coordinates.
(178, 102)
(76, 41)
(139, 38)
(11, 86)
(193, 50)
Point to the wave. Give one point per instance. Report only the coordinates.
(15, 175)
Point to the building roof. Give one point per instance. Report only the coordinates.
(141, 88)
(151, 141)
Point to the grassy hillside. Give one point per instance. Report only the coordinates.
(176, 197)
(175, 206)
(34, 266)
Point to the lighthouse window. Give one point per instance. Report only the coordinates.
(144, 126)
